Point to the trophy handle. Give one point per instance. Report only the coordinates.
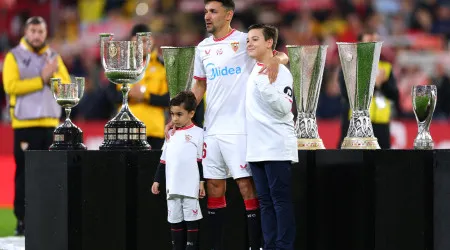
(79, 81)
(104, 37)
(54, 83)
(144, 42)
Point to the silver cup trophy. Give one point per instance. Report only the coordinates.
(124, 64)
(67, 136)
(424, 102)
(179, 64)
(307, 64)
(359, 63)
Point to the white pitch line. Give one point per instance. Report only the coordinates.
(12, 243)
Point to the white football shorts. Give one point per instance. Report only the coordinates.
(182, 208)
(224, 156)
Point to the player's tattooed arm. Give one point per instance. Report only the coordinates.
(199, 89)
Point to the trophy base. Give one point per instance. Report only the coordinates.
(360, 143)
(67, 146)
(422, 144)
(310, 144)
(125, 135)
(67, 137)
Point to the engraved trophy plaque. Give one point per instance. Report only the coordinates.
(124, 64)
(359, 63)
(67, 136)
(424, 102)
(179, 64)
(307, 64)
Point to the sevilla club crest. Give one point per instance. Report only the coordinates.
(235, 46)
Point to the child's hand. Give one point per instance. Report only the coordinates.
(202, 192)
(155, 188)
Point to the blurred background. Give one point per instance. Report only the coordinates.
(415, 33)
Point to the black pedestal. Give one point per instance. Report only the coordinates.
(344, 199)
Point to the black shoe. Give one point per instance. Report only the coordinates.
(20, 229)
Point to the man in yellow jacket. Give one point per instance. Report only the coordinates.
(34, 112)
(149, 98)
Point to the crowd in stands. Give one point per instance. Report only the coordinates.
(415, 35)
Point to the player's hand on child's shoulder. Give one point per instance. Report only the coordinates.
(271, 69)
(155, 188)
(168, 127)
(202, 193)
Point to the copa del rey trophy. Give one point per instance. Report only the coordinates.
(424, 102)
(359, 63)
(179, 64)
(124, 64)
(307, 64)
(67, 136)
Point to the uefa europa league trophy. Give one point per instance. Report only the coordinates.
(124, 64)
(179, 64)
(67, 136)
(307, 64)
(359, 63)
(424, 102)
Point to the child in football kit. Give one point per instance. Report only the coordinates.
(181, 165)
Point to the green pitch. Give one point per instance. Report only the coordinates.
(7, 222)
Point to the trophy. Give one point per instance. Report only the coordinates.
(124, 64)
(424, 102)
(359, 63)
(179, 64)
(67, 136)
(307, 64)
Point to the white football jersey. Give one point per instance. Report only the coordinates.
(180, 153)
(225, 66)
(270, 125)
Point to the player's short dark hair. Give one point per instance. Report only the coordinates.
(366, 32)
(138, 28)
(269, 32)
(228, 4)
(186, 99)
(35, 20)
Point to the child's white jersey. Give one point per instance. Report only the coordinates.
(270, 126)
(225, 66)
(181, 152)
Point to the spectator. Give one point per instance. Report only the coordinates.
(27, 70)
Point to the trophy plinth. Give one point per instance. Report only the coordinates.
(360, 132)
(310, 144)
(124, 64)
(307, 64)
(424, 102)
(360, 143)
(359, 63)
(307, 135)
(67, 136)
(125, 131)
